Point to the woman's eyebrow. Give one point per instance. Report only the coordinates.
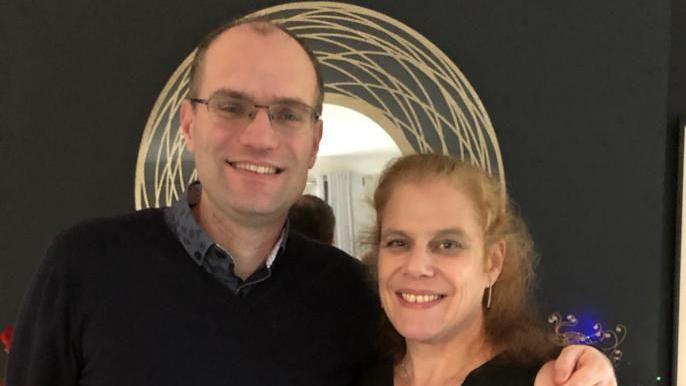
(454, 232)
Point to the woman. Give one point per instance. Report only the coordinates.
(454, 265)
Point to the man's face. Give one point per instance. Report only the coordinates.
(252, 173)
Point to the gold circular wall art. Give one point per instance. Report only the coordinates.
(371, 63)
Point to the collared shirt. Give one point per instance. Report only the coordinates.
(206, 252)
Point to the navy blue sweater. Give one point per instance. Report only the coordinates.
(119, 302)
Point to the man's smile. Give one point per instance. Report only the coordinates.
(264, 169)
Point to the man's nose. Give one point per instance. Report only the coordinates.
(259, 133)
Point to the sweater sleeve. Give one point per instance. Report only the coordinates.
(42, 351)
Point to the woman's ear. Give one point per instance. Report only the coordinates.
(494, 262)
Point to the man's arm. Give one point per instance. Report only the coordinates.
(577, 366)
(42, 347)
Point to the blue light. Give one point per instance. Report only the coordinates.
(587, 319)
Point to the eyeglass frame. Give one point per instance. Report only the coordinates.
(314, 113)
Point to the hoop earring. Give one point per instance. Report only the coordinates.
(490, 294)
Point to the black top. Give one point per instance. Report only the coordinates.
(119, 302)
(491, 373)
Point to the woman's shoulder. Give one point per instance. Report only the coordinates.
(498, 372)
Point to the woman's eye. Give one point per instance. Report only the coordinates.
(448, 245)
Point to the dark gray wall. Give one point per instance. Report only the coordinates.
(582, 94)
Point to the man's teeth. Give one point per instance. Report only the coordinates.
(255, 168)
(412, 298)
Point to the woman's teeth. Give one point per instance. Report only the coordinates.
(412, 298)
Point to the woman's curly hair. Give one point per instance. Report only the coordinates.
(512, 324)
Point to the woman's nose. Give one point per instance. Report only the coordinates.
(419, 263)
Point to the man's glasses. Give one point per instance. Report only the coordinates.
(237, 112)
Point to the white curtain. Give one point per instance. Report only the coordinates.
(316, 185)
(363, 211)
(340, 198)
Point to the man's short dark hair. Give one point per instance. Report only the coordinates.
(312, 217)
(260, 24)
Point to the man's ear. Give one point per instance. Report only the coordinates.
(186, 122)
(316, 138)
(495, 260)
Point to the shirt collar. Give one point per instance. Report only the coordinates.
(279, 246)
(194, 239)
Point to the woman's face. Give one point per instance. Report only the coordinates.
(432, 272)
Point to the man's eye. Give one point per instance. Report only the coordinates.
(231, 108)
(287, 114)
(395, 244)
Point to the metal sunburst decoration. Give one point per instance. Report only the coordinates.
(605, 340)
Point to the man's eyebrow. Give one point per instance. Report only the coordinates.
(296, 101)
(393, 232)
(231, 93)
(241, 95)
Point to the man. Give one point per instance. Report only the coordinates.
(313, 217)
(216, 290)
